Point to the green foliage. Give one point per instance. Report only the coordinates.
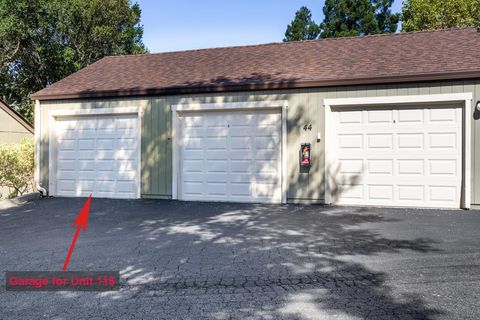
(16, 167)
(302, 27)
(438, 14)
(357, 17)
(43, 41)
(386, 19)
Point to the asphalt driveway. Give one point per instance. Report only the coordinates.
(188, 260)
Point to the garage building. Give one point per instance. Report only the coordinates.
(390, 120)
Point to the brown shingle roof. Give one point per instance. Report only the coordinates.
(402, 57)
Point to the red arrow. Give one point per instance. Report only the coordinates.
(81, 222)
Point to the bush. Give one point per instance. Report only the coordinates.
(17, 164)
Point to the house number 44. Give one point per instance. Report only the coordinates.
(307, 127)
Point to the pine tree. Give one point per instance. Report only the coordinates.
(302, 27)
(357, 17)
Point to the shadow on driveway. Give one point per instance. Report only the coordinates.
(193, 260)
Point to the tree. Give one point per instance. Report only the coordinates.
(439, 14)
(387, 21)
(16, 167)
(357, 17)
(302, 27)
(43, 41)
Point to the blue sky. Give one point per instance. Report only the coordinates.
(180, 25)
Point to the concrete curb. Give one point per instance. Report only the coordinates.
(11, 203)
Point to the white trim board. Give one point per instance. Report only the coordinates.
(178, 109)
(230, 105)
(53, 114)
(93, 112)
(427, 98)
(404, 101)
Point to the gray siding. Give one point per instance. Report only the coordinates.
(305, 106)
(10, 130)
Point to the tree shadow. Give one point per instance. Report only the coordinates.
(299, 255)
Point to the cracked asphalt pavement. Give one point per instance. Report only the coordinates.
(190, 260)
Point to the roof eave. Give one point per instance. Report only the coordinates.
(260, 86)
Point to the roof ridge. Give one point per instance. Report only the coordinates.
(298, 42)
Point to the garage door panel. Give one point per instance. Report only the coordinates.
(193, 155)
(266, 154)
(444, 115)
(241, 166)
(349, 166)
(191, 166)
(216, 143)
(67, 155)
(216, 189)
(411, 167)
(126, 165)
(66, 144)
(444, 167)
(410, 140)
(350, 141)
(66, 165)
(85, 185)
(102, 175)
(269, 131)
(216, 131)
(383, 192)
(105, 165)
(379, 116)
(85, 155)
(193, 133)
(217, 166)
(190, 143)
(378, 167)
(264, 189)
(120, 154)
(240, 132)
(350, 117)
(444, 140)
(238, 160)
(102, 185)
(348, 191)
(410, 116)
(86, 164)
(193, 188)
(380, 141)
(215, 177)
(126, 186)
(443, 193)
(105, 155)
(411, 193)
(108, 144)
(241, 143)
(85, 144)
(67, 175)
(240, 189)
(238, 155)
(398, 157)
(67, 185)
(82, 175)
(264, 143)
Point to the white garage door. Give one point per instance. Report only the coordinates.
(234, 156)
(398, 157)
(97, 155)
